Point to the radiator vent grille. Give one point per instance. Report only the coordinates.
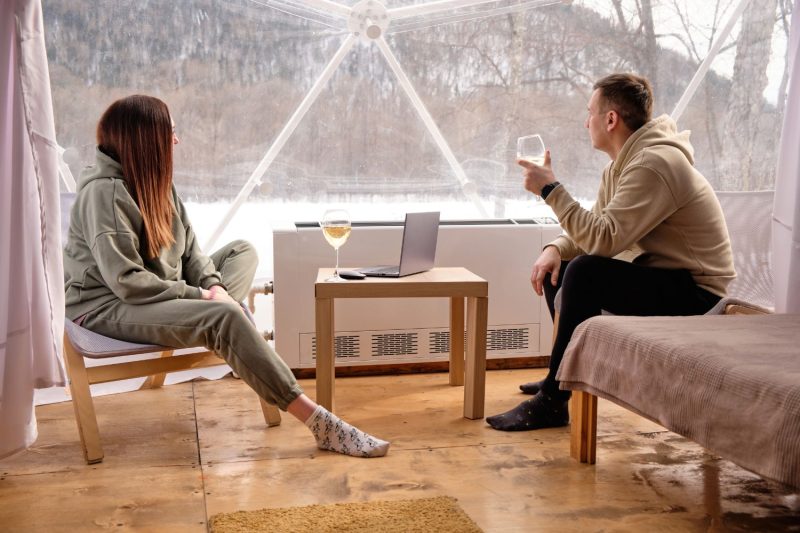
(392, 344)
(497, 339)
(420, 344)
(439, 341)
(507, 339)
(344, 346)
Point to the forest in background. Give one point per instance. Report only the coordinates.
(233, 72)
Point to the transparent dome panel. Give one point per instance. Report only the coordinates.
(735, 111)
(230, 71)
(363, 140)
(736, 114)
(287, 107)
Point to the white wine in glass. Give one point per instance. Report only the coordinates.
(336, 227)
(531, 148)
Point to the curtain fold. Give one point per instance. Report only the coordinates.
(786, 213)
(31, 272)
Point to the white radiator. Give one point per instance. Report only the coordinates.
(407, 330)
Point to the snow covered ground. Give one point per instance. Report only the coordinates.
(255, 220)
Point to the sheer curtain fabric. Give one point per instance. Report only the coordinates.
(31, 273)
(786, 214)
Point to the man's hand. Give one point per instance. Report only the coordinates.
(537, 176)
(549, 261)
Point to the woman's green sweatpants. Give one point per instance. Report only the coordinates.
(221, 327)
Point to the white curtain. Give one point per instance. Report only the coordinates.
(786, 214)
(31, 273)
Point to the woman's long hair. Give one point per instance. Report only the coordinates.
(137, 132)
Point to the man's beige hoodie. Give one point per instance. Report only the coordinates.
(652, 198)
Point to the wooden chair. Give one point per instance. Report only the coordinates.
(80, 342)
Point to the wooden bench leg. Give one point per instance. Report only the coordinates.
(272, 415)
(583, 415)
(82, 403)
(583, 411)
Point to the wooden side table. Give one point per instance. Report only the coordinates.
(454, 283)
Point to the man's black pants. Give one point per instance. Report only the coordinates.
(590, 284)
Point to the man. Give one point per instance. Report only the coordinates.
(651, 199)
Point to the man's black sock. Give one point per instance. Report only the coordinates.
(532, 388)
(538, 412)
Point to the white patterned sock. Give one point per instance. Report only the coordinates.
(334, 434)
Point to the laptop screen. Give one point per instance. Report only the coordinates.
(418, 253)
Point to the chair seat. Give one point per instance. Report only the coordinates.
(95, 346)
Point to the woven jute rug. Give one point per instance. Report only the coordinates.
(407, 516)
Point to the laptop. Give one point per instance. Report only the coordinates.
(418, 252)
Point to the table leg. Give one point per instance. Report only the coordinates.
(325, 355)
(457, 341)
(475, 386)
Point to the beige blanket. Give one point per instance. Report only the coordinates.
(729, 383)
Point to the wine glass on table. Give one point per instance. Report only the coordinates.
(336, 227)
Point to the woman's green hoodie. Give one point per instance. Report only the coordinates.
(104, 260)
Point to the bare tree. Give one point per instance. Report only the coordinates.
(784, 16)
(639, 36)
(743, 127)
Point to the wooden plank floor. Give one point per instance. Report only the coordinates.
(177, 455)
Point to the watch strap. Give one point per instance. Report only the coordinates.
(547, 189)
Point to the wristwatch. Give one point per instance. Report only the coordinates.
(547, 189)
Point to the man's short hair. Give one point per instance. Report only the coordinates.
(629, 95)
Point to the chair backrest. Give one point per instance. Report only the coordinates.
(749, 216)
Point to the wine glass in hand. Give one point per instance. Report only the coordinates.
(335, 225)
(531, 148)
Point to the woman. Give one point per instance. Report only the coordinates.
(135, 272)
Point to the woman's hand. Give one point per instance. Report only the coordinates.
(219, 294)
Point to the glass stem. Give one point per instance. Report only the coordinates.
(336, 270)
